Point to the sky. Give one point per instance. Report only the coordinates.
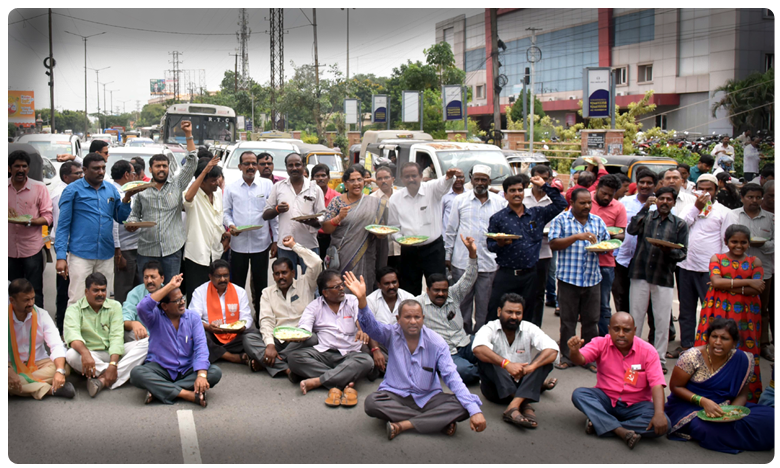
(380, 39)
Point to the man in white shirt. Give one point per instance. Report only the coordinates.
(722, 149)
(384, 301)
(751, 158)
(31, 372)
(220, 302)
(673, 178)
(685, 171)
(707, 222)
(446, 201)
(508, 373)
(290, 198)
(470, 217)
(125, 277)
(416, 208)
(385, 176)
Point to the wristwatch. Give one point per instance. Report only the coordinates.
(202, 374)
(189, 138)
(112, 363)
(61, 371)
(29, 222)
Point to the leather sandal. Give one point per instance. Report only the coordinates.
(349, 398)
(515, 417)
(334, 398)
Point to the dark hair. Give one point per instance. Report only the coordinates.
(166, 299)
(159, 157)
(577, 192)
(514, 298)
(647, 173)
(751, 188)
(409, 303)
(265, 155)
(728, 187)
(720, 323)
(140, 161)
(204, 153)
(137, 167)
(735, 228)
(283, 261)
(768, 171)
(215, 171)
(288, 157)
(610, 181)
(664, 190)
(526, 180)
(67, 169)
(120, 168)
(154, 265)
(17, 155)
(241, 156)
(97, 278)
(541, 169)
(684, 166)
(324, 277)
(20, 285)
(411, 164)
(384, 271)
(662, 174)
(623, 178)
(320, 168)
(91, 158)
(513, 180)
(436, 278)
(354, 168)
(96, 146)
(586, 179)
(217, 264)
(707, 159)
(385, 167)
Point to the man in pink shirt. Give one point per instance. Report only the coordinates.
(628, 399)
(613, 213)
(25, 239)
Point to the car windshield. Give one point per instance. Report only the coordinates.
(465, 160)
(657, 168)
(137, 142)
(205, 129)
(278, 154)
(331, 160)
(51, 148)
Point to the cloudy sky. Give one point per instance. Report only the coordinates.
(380, 39)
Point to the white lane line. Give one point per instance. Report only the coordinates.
(189, 437)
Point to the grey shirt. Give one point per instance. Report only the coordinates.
(762, 225)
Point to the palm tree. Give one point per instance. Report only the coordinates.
(749, 102)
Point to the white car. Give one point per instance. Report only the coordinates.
(49, 145)
(140, 142)
(145, 152)
(279, 150)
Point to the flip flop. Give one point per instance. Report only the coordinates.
(631, 439)
(522, 421)
(349, 398)
(334, 398)
(591, 367)
(529, 415)
(549, 384)
(149, 398)
(391, 433)
(200, 399)
(450, 429)
(564, 365)
(557, 311)
(674, 354)
(589, 429)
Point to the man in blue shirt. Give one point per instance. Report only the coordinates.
(85, 227)
(411, 397)
(177, 364)
(517, 258)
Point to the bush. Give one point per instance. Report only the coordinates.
(310, 138)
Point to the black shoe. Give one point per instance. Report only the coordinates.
(294, 378)
(549, 304)
(66, 391)
(672, 337)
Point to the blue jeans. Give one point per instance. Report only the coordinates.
(171, 264)
(551, 297)
(607, 277)
(282, 253)
(466, 363)
(606, 418)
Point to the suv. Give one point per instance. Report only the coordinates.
(279, 151)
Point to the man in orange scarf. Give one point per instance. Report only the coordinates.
(31, 371)
(220, 302)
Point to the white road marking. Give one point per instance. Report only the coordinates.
(189, 437)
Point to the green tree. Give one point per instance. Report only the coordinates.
(151, 115)
(302, 97)
(749, 102)
(516, 111)
(441, 57)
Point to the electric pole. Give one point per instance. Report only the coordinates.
(316, 66)
(97, 78)
(494, 67)
(243, 42)
(175, 71)
(111, 93)
(533, 56)
(50, 66)
(235, 73)
(105, 102)
(86, 117)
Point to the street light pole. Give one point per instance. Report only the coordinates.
(97, 78)
(84, 38)
(105, 101)
(111, 93)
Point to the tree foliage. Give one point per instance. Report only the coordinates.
(749, 102)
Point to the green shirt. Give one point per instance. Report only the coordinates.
(99, 331)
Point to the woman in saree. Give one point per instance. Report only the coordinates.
(346, 218)
(708, 377)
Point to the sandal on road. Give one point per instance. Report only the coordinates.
(674, 354)
(450, 430)
(254, 366)
(631, 438)
(549, 384)
(200, 399)
(349, 398)
(515, 417)
(392, 430)
(334, 398)
(591, 367)
(528, 413)
(564, 365)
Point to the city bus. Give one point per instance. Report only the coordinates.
(211, 124)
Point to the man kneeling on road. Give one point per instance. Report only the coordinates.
(506, 371)
(135, 330)
(628, 399)
(175, 368)
(410, 396)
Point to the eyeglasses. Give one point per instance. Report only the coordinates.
(338, 286)
(178, 301)
(249, 163)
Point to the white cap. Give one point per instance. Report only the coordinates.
(481, 169)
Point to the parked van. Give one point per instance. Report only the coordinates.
(376, 136)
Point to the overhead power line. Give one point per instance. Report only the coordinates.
(146, 30)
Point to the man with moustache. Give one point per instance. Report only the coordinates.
(446, 200)
(125, 255)
(470, 217)
(385, 176)
(507, 371)
(673, 178)
(685, 172)
(135, 330)
(384, 303)
(265, 162)
(320, 174)
(94, 331)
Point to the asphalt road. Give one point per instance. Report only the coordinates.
(252, 418)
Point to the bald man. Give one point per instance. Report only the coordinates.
(628, 400)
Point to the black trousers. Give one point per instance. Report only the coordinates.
(236, 346)
(620, 288)
(522, 282)
(499, 387)
(31, 269)
(239, 266)
(542, 268)
(62, 301)
(194, 276)
(418, 261)
(324, 242)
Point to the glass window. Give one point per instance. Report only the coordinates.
(465, 160)
(50, 149)
(645, 74)
(278, 154)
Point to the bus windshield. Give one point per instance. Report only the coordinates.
(206, 129)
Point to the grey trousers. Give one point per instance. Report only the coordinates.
(125, 280)
(499, 387)
(333, 369)
(476, 298)
(254, 347)
(217, 348)
(157, 381)
(439, 412)
(574, 301)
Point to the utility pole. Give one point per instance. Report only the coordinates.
(105, 101)
(84, 38)
(536, 58)
(316, 65)
(235, 73)
(494, 66)
(243, 41)
(97, 78)
(51, 76)
(111, 93)
(175, 70)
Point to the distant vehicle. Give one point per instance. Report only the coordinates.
(627, 164)
(49, 145)
(210, 124)
(376, 136)
(321, 154)
(108, 138)
(522, 161)
(140, 142)
(277, 149)
(68, 132)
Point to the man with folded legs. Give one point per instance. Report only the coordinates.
(175, 368)
(508, 374)
(135, 330)
(410, 396)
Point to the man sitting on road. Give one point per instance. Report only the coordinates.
(411, 397)
(153, 280)
(508, 374)
(384, 303)
(95, 333)
(628, 399)
(31, 371)
(175, 368)
(336, 362)
(281, 305)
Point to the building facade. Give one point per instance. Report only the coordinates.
(681, 54)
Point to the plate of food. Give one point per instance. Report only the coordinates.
(291, 334)
(604, 246)
(308, 217)
(615, 230)
(730, 413)
(136, 185)
(758, 241)
(141, 224)
(20, 219)
(592, 160)
(663, 243)
(411, 240)
(248, 227)
(237, 325)
(501, 235)
(381, 230)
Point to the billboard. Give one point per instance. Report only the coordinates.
(596, 93)
(410, 106)
(351, 111)
(379, 108)
(21, 108)
(453, 102)
(156, 86)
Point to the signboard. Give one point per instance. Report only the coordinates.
(614, 143)
(248, 125)
(157, 86)
(351, 111)
(379, 108)
(596, 93)
(21, 108)
(410, 106)
(453, 102)
(240, 122)
(571, 119)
